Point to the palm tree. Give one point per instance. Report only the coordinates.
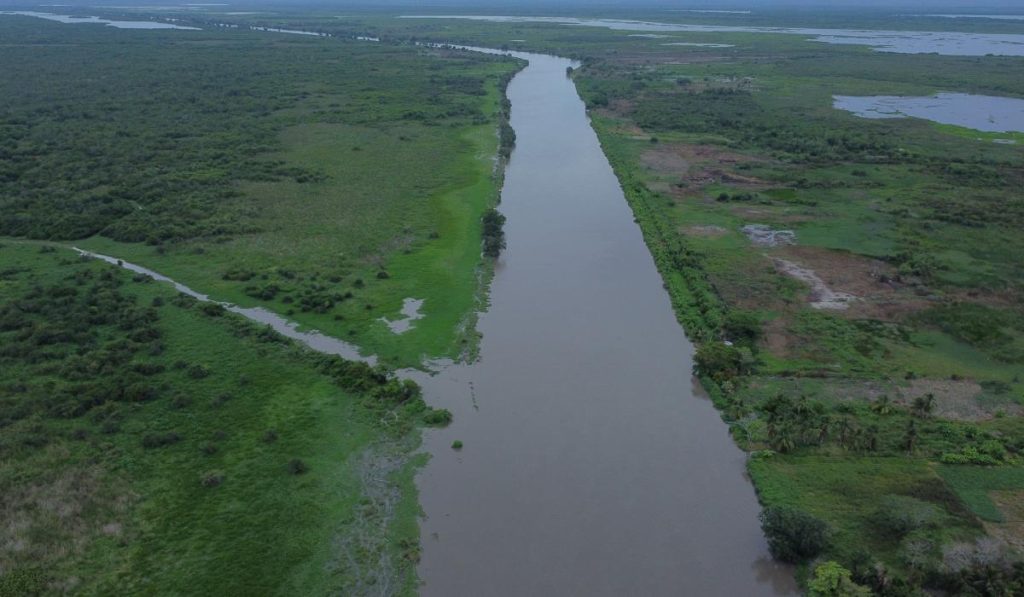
(871, 439)
(825, 424)
(783, 439)
(910, 437)
(846, 429)
(737, 408)
(883, 405)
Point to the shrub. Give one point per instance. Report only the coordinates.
(198, 371)
(297, 466)
(832, 580)
(438, 417)
(159, 440)
(793, 535)
(457, 444)
(212, 309)
(269, 436)
(971, 455)
(900, 514)
(211, 478)
(742, 327)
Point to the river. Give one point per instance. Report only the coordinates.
(591, 463)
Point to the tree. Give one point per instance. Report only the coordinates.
(832, 580)
(870, 442)
(718, 361)
(793, 535)
(910, 437)
(924, 405)
(847, 428)
(493, 233)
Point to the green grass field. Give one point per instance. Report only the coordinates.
(188, 482)
(848, 493)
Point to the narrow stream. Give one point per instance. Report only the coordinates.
(591, 463)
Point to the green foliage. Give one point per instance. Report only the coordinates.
(742, 327)
(987, 328)
(718, 361)
(437, 417)
(493, 233)
(793, 535)
(832, 580)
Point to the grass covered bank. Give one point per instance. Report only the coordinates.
(854, 293)
(152, 444)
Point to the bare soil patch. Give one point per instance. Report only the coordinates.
(870, 280)
(821, 295)
(695, 166)
(704, 231)
(1011, 504)
(777, 337)
(665, 162)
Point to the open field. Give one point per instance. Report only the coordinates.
(154, 444)
(326, 179)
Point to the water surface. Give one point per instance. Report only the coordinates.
(905, 42)
(313, 339)
(591, 463)
(98, 21)
(978, 112)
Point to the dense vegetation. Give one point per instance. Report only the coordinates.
(327, 179)
(140, 428)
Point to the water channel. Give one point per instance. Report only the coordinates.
(591, 463)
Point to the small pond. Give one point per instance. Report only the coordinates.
(979, 112)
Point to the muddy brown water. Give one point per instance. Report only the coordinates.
(591, 463)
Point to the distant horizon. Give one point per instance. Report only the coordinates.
(712, 6)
